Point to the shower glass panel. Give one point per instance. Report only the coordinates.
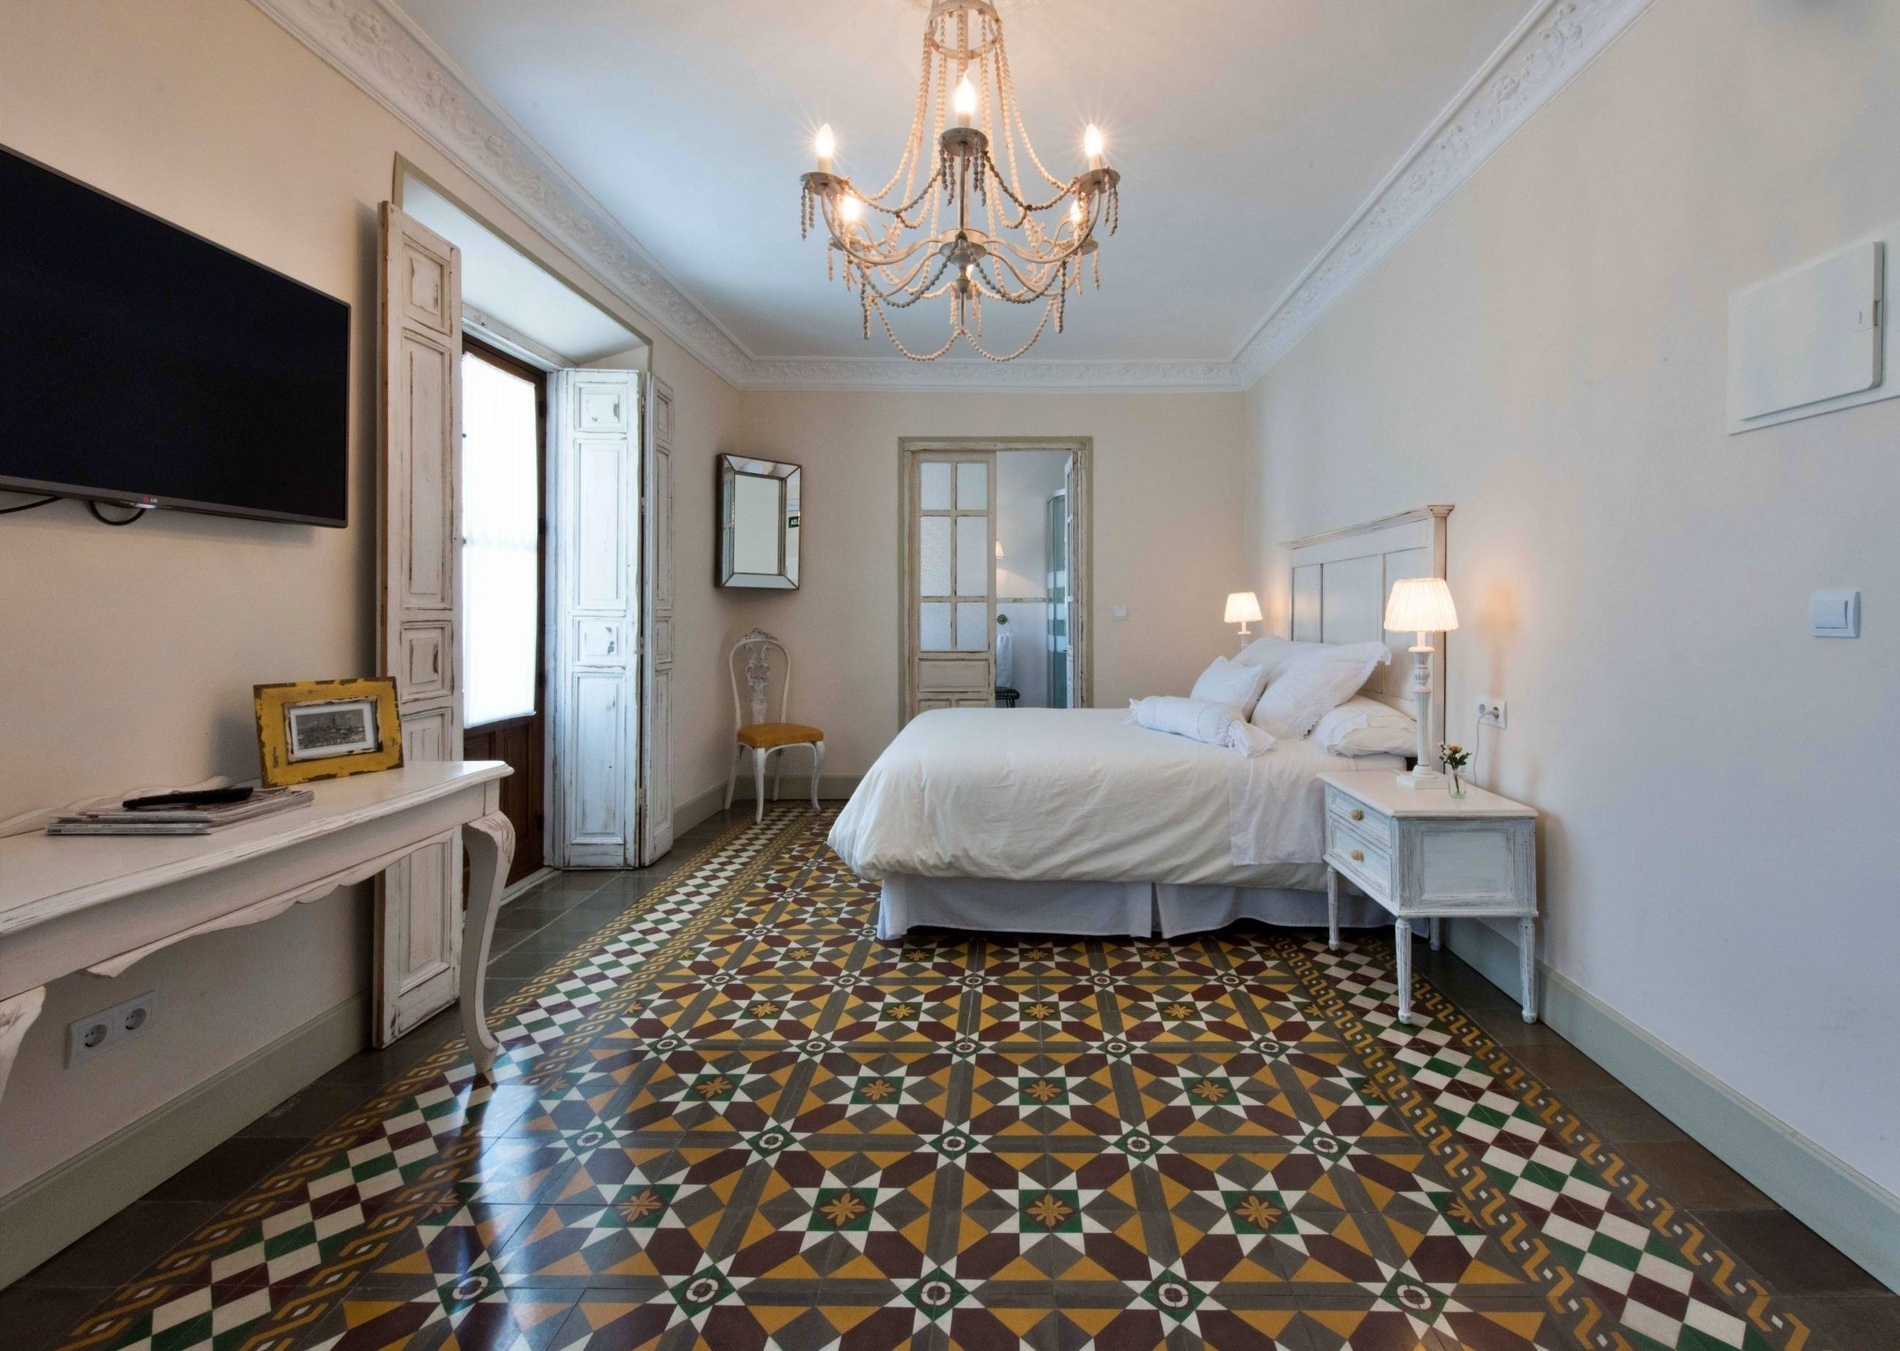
(1058, 584)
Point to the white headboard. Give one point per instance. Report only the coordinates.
(1341, 578)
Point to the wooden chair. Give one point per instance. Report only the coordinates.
(764, 738)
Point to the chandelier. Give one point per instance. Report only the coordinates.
(952, 222)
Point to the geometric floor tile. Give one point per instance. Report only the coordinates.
(735, 1119)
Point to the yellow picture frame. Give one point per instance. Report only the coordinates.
(309, 730)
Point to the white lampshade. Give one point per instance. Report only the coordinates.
(1243, 607)
(1420, 605)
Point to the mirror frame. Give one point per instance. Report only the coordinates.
(790, 477)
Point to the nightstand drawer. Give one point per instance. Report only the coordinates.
(1366, 862)
(1360, 819)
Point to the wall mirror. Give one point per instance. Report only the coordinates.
(758, 523)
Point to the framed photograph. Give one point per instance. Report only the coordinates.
(327, 729)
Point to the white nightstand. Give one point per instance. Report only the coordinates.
(1423, 854)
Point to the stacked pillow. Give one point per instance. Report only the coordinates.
(1363, 726)
(1305, 685)
(1229, 682)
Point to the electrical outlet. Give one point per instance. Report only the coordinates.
(1494, 713)
(108, 1027)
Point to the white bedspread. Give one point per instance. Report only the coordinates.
(1084, 795)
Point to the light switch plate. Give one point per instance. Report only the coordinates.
(1834, 614)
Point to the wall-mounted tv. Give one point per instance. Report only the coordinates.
(141, 364)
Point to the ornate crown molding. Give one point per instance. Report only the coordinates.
(381, 50)
(1548, 50)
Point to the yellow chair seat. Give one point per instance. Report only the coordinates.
(765, 736)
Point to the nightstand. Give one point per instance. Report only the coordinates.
(1423, 854)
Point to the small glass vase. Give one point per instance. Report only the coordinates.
(1456, 783)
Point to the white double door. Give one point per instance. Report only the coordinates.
(951, 614)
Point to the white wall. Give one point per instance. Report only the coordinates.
(1168, 538)
(1720, 863)
(130, 654)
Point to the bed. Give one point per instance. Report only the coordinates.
(1076, 821)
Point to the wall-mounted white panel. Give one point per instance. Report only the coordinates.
(1812, 339)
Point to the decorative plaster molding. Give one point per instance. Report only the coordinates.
(1543, 54)
(380, 49)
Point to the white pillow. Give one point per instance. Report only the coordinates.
(1313, 684)
(1273, 653)
(1200, 720)
(1228, 682)
(1363, 726)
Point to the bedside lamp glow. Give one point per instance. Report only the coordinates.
(1243, 608)
(1422, 605)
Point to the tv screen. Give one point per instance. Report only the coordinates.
(141, 364)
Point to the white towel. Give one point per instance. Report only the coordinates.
(1005, 657)
(1202, 720)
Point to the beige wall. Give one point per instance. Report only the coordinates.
(1167, 535)
(1547, 352)
(130, 654)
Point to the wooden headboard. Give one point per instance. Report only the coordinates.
(1340, 580)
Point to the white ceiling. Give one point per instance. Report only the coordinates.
(1248, 133)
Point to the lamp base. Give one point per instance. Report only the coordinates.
(1421, 778)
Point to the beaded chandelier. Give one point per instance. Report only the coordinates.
(970, 230)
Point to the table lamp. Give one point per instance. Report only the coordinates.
(1243, 608)
(1422, 605)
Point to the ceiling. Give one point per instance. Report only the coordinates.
(1248, 133)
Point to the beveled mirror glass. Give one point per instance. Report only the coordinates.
(758, 523)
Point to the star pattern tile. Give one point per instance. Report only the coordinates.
(734, 1118)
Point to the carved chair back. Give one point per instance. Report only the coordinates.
(760, 660)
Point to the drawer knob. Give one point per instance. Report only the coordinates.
(1358, 856)
(1358, 815)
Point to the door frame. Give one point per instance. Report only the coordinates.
(1082, 551)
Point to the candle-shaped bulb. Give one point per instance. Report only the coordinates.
(826, 145)
(850, 207)
(1076, 213)
(1093, 145)
(965, 99)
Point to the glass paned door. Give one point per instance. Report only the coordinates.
(951, 530)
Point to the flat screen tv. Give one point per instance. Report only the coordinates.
(141, 364)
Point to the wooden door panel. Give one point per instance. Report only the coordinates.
(419, 343)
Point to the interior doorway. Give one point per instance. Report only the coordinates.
(504, 579)
(994, 569)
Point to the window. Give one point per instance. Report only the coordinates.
(501, 521)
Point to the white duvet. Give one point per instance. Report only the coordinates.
(1084, 795)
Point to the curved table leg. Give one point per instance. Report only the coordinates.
(491, 847)
(16, 1015)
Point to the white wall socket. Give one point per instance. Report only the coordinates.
(1494, 713)
(108, 1027)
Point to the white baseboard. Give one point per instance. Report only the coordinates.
(691, 812)
(54, 1209)
(1836, 1200)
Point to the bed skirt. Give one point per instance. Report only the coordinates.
(1104, 909)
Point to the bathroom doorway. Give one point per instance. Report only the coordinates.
(995, 573)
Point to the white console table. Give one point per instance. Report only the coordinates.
(82, 903)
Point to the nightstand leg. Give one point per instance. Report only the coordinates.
(1402, 946)
(1332, 910)
(1437, 940)
(1527, 965)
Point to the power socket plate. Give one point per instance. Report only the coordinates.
(101, 1031)
(1494, 713)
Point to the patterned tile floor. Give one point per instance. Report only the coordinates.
(728, 1117)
